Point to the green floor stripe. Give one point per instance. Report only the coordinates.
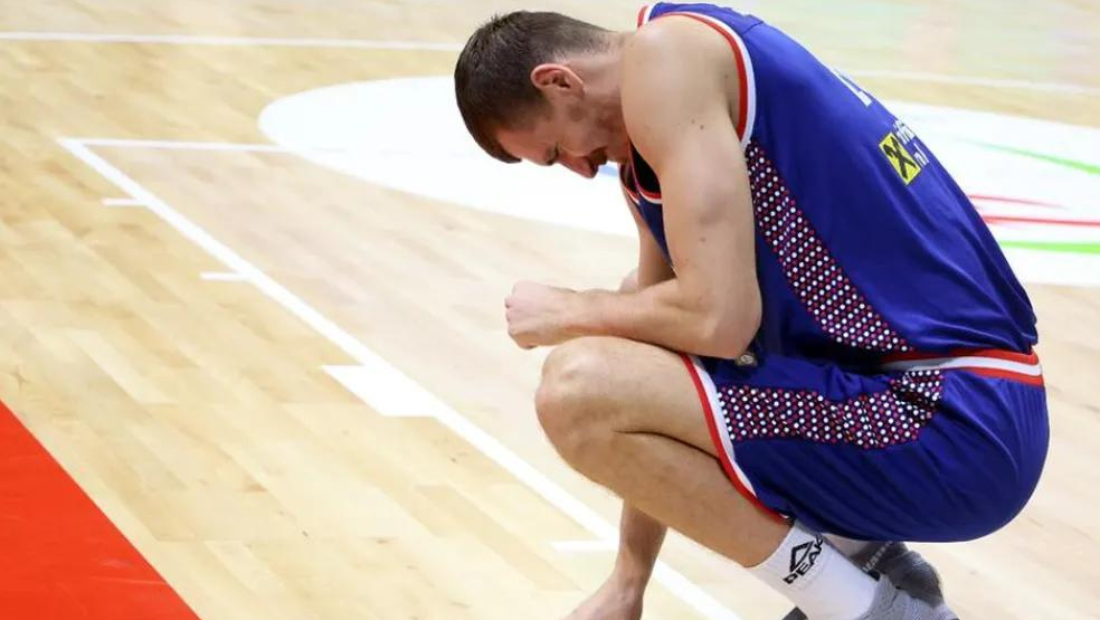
(1052, 246)
(1061, 161)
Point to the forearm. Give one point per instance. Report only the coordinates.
(664, 314)
(640, 540)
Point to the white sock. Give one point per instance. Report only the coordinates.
(816, 577)
(847, 546)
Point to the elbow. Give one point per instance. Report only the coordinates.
(727, 334)
(726, 342)
(630, 282)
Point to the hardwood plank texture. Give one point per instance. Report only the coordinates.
(199, 416)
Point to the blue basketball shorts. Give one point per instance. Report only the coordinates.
(932, 449)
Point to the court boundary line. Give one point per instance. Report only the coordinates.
(226, 41)
(438, 46)
(550, 491)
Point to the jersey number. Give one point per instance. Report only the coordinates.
(864, 97)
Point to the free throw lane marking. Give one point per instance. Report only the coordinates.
(679, 585)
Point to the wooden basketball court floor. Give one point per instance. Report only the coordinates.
(291, 389)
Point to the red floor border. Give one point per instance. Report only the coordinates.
(60, 557)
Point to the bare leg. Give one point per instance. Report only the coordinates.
(621, 596)
(626, 415)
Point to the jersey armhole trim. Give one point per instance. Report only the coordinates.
(626, 181)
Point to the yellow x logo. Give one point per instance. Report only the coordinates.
(906, 167)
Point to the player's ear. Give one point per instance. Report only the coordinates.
(555, 80)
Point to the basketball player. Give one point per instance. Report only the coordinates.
(821, 335)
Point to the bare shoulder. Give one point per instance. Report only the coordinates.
(675, 71)
(673, 36)
(677, 47)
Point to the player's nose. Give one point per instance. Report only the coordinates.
(580, 165)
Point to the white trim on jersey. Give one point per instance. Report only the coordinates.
(717, 413)
(970, 361)
(649, 196)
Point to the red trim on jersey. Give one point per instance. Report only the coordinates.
(1029, 359)
(639, 190)
(742, 74)
(1036, 380)
(1011, 356)
(641, 14)
(727, 465)
(626, 180)
(652, 197)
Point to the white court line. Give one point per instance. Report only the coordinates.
(223, 276)
(185, 146)
(187, 39)
(387, 391)
(237, 147)
(676, 583)
(122, 202)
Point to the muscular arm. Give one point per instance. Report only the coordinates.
(678, 111)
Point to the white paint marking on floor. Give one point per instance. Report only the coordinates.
(585, 546)
(122, 202)
(188, 39)
(387, 391)
(374, 44)
(233, 147)
(223, 276)
(680, 586)
(182, 145)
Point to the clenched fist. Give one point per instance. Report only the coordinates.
(539, 315)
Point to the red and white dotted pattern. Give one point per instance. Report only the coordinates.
(824, 289)
(873, 420)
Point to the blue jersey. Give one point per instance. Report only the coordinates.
(866, 249)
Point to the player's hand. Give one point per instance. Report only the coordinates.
(538, 315)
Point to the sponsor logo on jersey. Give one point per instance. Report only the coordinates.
(904, 164)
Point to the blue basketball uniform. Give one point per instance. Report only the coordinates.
(891, 392)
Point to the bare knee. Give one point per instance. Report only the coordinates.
(568, 399)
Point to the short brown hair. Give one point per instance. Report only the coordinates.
(492, 78)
